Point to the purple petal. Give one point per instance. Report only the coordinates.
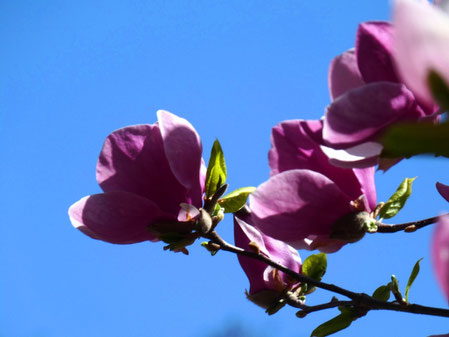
(363, 113)
(183, 148)
(295, 204)
(440, 253)
(188, 212)
(278, 251)
(421, 44)
(344, 74)
(133, 159)
(360, 156)
(296, 145)
(443, 190)
(374, 44)
(321, 242)
(116, 217)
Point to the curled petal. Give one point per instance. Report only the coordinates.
(116, 217)
(276, 250)
(296, 145)
(344, 74)
(295, 204)
(440, 253)
(443, 190)
(421, 44)
(361, 114)
(374, 44)
(321, 242)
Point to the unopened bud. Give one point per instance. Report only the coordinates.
(212, 247)
(351, 227)
(204, 222)
(410, 229)
(301, 314)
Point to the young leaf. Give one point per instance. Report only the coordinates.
(397, 200)
(382, 293)
(216, 170)
(394, 285)
(334, 325)
(439, 89)
(235, 200)
(315, 266)
(412, 278)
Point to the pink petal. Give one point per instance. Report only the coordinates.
(295, 204)
(321, 242)
(116, 217)
(364, 155)
(374, 44)
(421, 44)
(296, 145)
(183, 148)
(440, 253)
(133, 159)
(277, 250)
(344, 74)
(443, 190)
(363, 113)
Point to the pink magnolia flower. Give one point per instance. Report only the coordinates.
(266, 283)
(421, 43)
(146, 172)
(309, 203)
(440, 253)
(368, 96)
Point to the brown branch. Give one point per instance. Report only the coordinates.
(407, 226)
(359, 300)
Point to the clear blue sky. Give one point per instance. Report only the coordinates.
(73, 71)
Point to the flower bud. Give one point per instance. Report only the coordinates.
(204, 223)
(351, 227)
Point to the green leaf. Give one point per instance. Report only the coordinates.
(315, 266)
(235, 200)
(411, 139)
(394, 286)
(397, 200)
(216, 170)
(412, 278)
(334, 325)
(382, 293)
(439, 89)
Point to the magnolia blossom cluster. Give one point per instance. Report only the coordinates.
(321, 192)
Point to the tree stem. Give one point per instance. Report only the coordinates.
(407, 226)
(359, 300)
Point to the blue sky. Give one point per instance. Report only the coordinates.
(73, 71)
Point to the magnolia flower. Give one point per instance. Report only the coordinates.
(421, 43)
(266, 283)
(368, 96)
(440, 253)
(309, 203)
(146, 172)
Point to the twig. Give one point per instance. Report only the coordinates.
(407, 226)
(359, 300)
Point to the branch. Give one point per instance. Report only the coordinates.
(407, 226)
(359, 300)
